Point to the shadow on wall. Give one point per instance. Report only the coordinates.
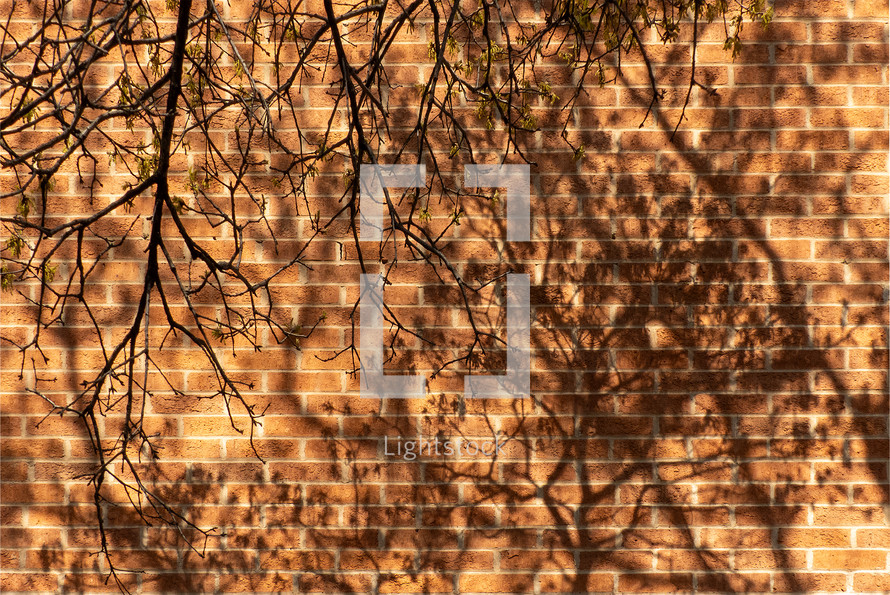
(692, 402)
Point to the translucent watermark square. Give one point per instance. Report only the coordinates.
(373, 203)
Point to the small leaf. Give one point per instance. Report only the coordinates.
(49, 272)
(24, 206)
(5, 279)
(579, 154)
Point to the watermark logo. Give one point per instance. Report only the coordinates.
(443, 447)
(374, 180)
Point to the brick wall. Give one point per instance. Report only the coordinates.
(709, 371)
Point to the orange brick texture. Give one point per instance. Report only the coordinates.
(709, 408)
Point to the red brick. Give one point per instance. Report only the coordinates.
(28, 581)
(733, 582)
(312, 582)
(574, 583)
(849, 560)
(810, 581)
(734, 538)
(496, 583)
(766, 558)
(874, 538)
(828, 494)
(674, 560)
(650, 582)
(802, 537)
(849, 515)
(871, 582)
